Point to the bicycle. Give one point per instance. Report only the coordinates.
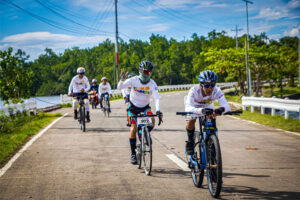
(81, 118)
(207, 153)
(105, 105)
(144, 148)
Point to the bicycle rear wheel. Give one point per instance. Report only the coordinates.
(139, 153)
(82, 118)
(147, 151)
(214, 166)
(197, 172)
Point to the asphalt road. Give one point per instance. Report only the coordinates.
(66, 163)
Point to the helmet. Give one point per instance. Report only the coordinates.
(131, 75)
(207, 76)
(80, 70)
(94, 81)
(103, 78)
(145, 66)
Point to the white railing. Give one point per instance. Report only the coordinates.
(64, 99)
(274, 103)
(27, 106)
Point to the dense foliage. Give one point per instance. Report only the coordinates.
(176, 62)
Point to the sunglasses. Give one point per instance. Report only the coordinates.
(208, 85)
(146, 72)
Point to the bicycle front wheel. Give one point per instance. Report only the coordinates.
(214, 166)
(147, 150)
(197, 172)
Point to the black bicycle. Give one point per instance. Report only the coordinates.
(144, 147)
(81, 118)
(207, 152)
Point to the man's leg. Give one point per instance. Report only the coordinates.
(100, 99)
(132, 141)
(190, 128)
(75, 102)
(108, 103)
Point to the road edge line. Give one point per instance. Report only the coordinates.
(27, 145)
(278, 129)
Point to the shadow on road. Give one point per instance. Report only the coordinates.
(245, 192)
(108, 130)
(170, 173)
(231, 175)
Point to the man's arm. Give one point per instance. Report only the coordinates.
(190, 105)
(109, 88)
(156, 98)
(88, 86)
(124, 84)
(71, 87)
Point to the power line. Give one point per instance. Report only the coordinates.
(236, 35)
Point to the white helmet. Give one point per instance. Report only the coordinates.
(94, 81)
(103, 78)
(80, 70)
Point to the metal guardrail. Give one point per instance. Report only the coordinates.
(274, 103)
(65, 99)
(11, 109)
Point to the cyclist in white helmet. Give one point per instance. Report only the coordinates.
(79, 86)
(104, 88)
(201, 99)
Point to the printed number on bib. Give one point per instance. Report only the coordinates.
(144, 121)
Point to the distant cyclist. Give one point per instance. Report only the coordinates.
(80, 85)
(142, 87)
(202, 97)
(104, 89)
(94, 88)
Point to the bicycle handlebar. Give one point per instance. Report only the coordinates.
(156, 115)
(236, 112)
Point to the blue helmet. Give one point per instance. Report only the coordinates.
(207, 76)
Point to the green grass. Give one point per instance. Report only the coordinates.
(14, 137)
(286, 91)
(276, 121)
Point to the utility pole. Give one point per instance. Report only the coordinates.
(116, 68)
(247, 46)
(299, 57)
(236, 35)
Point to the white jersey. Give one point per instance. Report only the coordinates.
(104, 88)
(79, 83)
(126, 92)
(140, 94)
(195, 102)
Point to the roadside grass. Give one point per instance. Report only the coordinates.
(276, 121)
(18, 132)
(286, 91)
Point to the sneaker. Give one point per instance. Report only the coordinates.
(189, 147)
(133, 159)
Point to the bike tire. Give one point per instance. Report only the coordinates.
(93, 104)
(139, 154)
(147, 151)
(82, 115)
(214, 166)
(197, 172)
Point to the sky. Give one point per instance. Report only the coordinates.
(33, 25)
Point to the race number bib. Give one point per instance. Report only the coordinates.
(144, 121)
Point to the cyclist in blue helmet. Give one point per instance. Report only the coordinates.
(202, 97)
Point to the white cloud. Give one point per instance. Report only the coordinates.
(292, 32)
(271, 14)
(185, 4)
(34, 43)
(275, 36)
(294, 4)
(158, 27)
(99, 5)
(147, 17)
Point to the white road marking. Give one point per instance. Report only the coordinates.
(26, 146)
(178, 162)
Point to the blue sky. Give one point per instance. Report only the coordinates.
(34, 25)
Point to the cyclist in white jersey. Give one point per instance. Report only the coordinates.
(126, 91)
(200, 98)
(104, 89)
(79, 86)
(142, 87)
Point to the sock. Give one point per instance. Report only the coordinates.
(132, 142)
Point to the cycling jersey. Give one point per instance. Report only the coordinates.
(94, 88)
(126, 92)
(194, 101)
(79, 83)
(140, 94)
(104, 88)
